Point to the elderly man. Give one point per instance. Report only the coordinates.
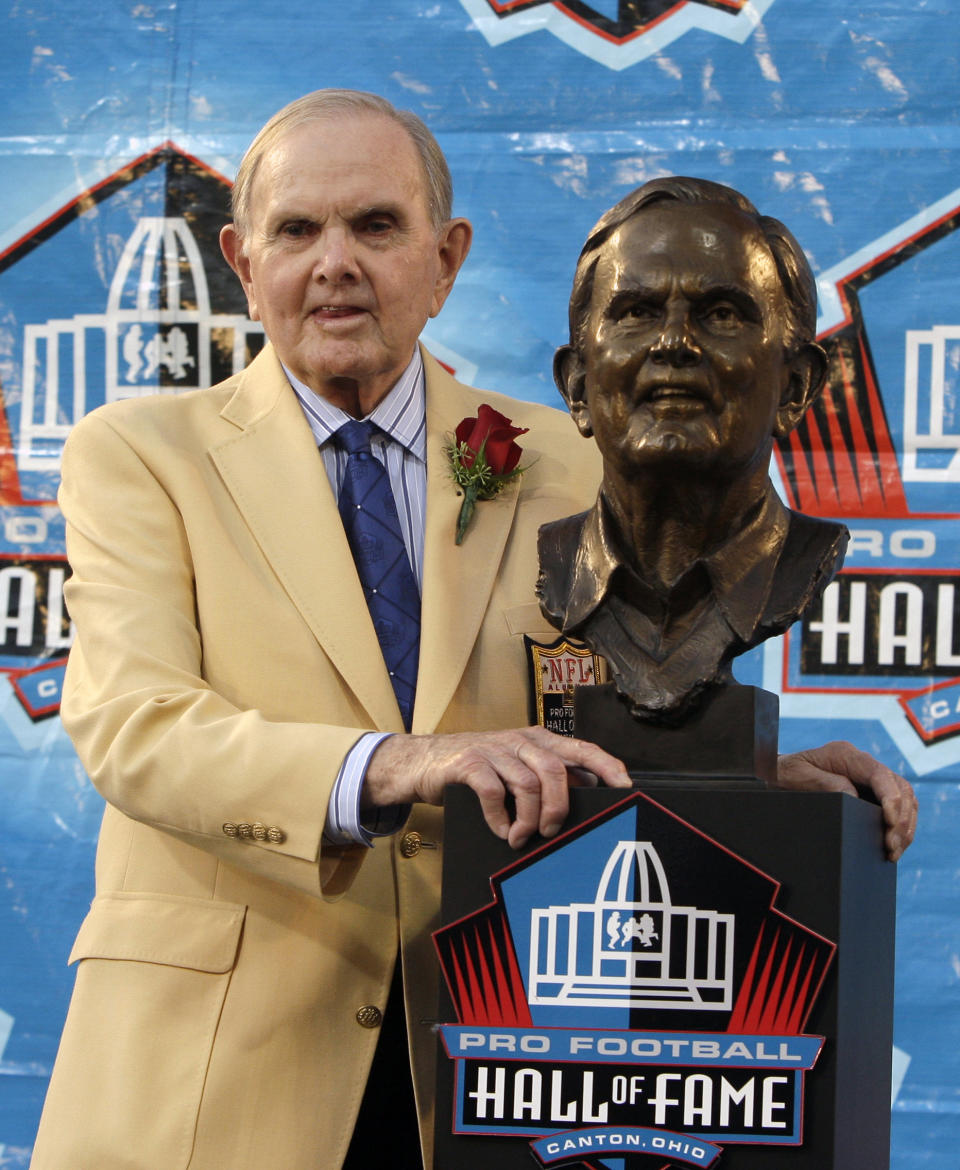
(257, 722)
(692, 324)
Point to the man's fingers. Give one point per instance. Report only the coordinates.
(535, 768)
(536, 778)
(492, 804)
(493, 771)
(559, 763)
(503, 765)
(548, 802)
(581, 755)
(530, 765)
(537, 783)
(810, 772)
(840, 767)
(900, 815)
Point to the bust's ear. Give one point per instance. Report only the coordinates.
(805, 377)
(570, 377)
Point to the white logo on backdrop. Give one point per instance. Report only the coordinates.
(157, 322)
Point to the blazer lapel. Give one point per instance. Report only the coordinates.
(457, 580)
(276, 477)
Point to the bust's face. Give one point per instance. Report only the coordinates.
(684, 354)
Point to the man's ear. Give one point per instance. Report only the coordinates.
(453, 244)
(231, 245)
(571, 378)
(806, 374)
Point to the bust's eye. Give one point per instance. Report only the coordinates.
(640, 311)
(723, 313)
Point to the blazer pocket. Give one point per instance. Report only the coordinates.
(527, 619)
(160, 928)
(154, 971)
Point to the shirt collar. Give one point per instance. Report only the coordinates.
(741, 595)
(401, 414)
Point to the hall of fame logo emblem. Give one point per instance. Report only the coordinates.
(122, 292)
(881, 451)
(631, 993)
(616, 33)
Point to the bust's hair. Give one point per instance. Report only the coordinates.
(796, 276)
(333, 103)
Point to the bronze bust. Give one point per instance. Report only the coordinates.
(692, 326)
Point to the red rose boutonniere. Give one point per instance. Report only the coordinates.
(484, 457)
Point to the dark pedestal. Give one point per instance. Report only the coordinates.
(730, 738)
(826, 851)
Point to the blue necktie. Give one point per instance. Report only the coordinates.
(369, 514)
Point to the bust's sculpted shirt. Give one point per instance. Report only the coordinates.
(663, 645)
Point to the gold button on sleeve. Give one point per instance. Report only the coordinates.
(255, 832)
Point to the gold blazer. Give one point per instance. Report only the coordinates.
(224, 663)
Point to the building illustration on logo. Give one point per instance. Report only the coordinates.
(156, 334)
(120, 293)
(931, 392)
(631, 947)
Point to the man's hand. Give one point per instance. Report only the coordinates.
(839, 767)
(532, 765)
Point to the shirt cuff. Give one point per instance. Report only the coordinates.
(346, 824)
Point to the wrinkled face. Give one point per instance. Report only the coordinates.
(683, 358)
(341, 262)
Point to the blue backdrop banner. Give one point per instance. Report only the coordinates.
(121, 127)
